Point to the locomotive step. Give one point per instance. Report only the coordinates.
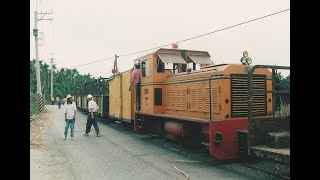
(278, 139)
(268, 153)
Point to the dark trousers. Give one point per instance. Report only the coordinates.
(91, 121)
(138, 95)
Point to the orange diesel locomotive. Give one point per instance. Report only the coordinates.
(187, 98)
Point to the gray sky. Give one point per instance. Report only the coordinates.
(83, 31)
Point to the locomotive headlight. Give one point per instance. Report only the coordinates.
(249, 61)
(243, 60)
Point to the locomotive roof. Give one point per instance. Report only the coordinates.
(172, 50)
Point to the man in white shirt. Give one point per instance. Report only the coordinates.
(70, 111)
(92, 116)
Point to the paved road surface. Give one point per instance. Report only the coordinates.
(122, 154)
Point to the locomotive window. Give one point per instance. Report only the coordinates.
(168, 66)
(184, 67)
(160, 67)
(197, 66)
(148, 69)
(175, 68)
(190, 65)
(158, 96)
(145, 70)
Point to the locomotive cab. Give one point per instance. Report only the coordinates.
(157, 66)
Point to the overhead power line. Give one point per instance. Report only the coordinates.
(188, 39)
(92, 62)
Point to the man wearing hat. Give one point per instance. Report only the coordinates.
(93, 108)
(70, 111)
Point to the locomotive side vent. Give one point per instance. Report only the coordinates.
(239, 95)
(196, 99)
(181, 99)
(215, 105)
(178, 99)
(172, 99)
(193, 104)
(168, 98)
(184, 99)
(199, 99)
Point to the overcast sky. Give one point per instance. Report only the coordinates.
(83, 31)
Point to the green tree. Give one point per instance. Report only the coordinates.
(282, 83)
(64, 80)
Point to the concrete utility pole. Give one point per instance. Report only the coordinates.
(35, 33)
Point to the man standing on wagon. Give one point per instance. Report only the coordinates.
(135, 78)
